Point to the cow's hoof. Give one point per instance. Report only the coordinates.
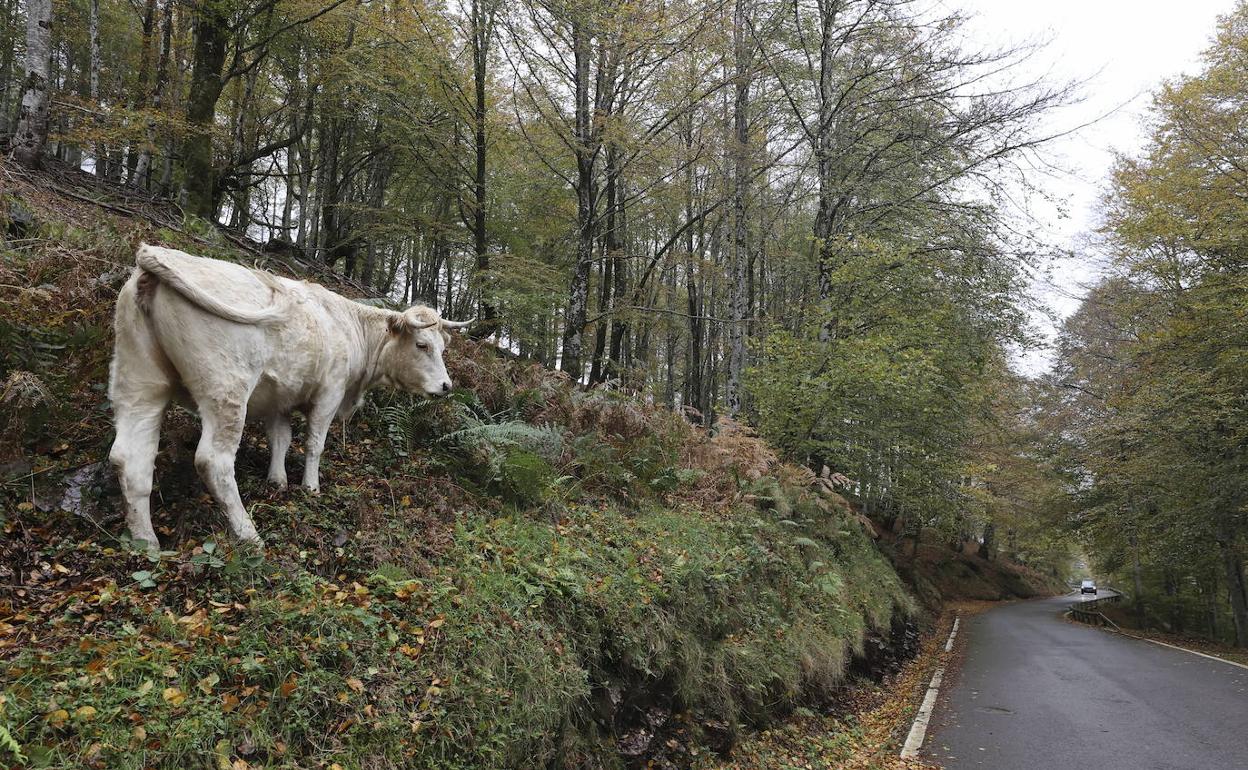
(148, 546)
(251, 543)
(278, 483)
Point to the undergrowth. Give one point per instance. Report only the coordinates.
(523, 575)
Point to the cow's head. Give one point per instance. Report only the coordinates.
(412, 357)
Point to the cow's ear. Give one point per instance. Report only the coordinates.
(398, 324)
(446, 336)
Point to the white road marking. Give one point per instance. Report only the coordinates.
(918, 730)
(1184, 649)
(952, 634)
(1163, 644)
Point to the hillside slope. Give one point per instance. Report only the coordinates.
(523, 575)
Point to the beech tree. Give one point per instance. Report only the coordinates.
(784, 212)
(32, 119)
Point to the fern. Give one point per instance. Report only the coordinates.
(543, 440)
(406, 419)
(7, 741)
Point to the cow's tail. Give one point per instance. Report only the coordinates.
(151, 260)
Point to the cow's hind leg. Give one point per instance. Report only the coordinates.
(134, 456)
(214, 459)
(278, 428)
(320, 418)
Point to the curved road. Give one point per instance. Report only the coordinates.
(1036, 692)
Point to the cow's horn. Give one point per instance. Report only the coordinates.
(418, 327)
(458, 324)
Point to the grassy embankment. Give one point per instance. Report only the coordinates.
(525, 575)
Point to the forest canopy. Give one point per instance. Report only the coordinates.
(791, 213)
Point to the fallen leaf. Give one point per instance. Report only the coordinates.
(85, 713)
(173, 696)
(289, 686)
(206, 684)
(355, 684)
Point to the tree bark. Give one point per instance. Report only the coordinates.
(738, 296)
(1237, 589)
(1137, 578)
(32, 119)
(617, 243)
(482, 20)
(93, 33)
(199, 181)
(572, 360)
(988, 547)
(142, 167)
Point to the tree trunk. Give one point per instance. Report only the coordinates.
(1137, 580)
(93, 34)
(738, 297)
(827, 214)
(1237, 590)
(142, 167)
(143, 88)
(617, 243)
(572, 360)
(988, 547)
(199, 181)
(32, 119)
(482, 32)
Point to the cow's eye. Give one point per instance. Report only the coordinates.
(422, 345)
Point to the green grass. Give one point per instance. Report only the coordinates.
(495, 658)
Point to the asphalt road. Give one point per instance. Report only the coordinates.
(1036, 692)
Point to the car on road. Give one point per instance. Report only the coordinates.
(1088, 587)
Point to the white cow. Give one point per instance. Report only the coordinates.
(238, 344)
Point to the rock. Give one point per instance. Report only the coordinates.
(21, 221)
(72, 498)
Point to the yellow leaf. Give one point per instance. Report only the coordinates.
(25, 506)
(437, 622)
(146, 687)
(58, 717)
(85, 713)
(207, 683)
(173, 696)
(355, 684)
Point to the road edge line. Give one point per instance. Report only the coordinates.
(1184, 649)
(918, 729)
(1120, 632)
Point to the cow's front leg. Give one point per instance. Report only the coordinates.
(278, 428)
(214, 459)
(319, 420)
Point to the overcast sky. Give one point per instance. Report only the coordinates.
(1127, 48)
